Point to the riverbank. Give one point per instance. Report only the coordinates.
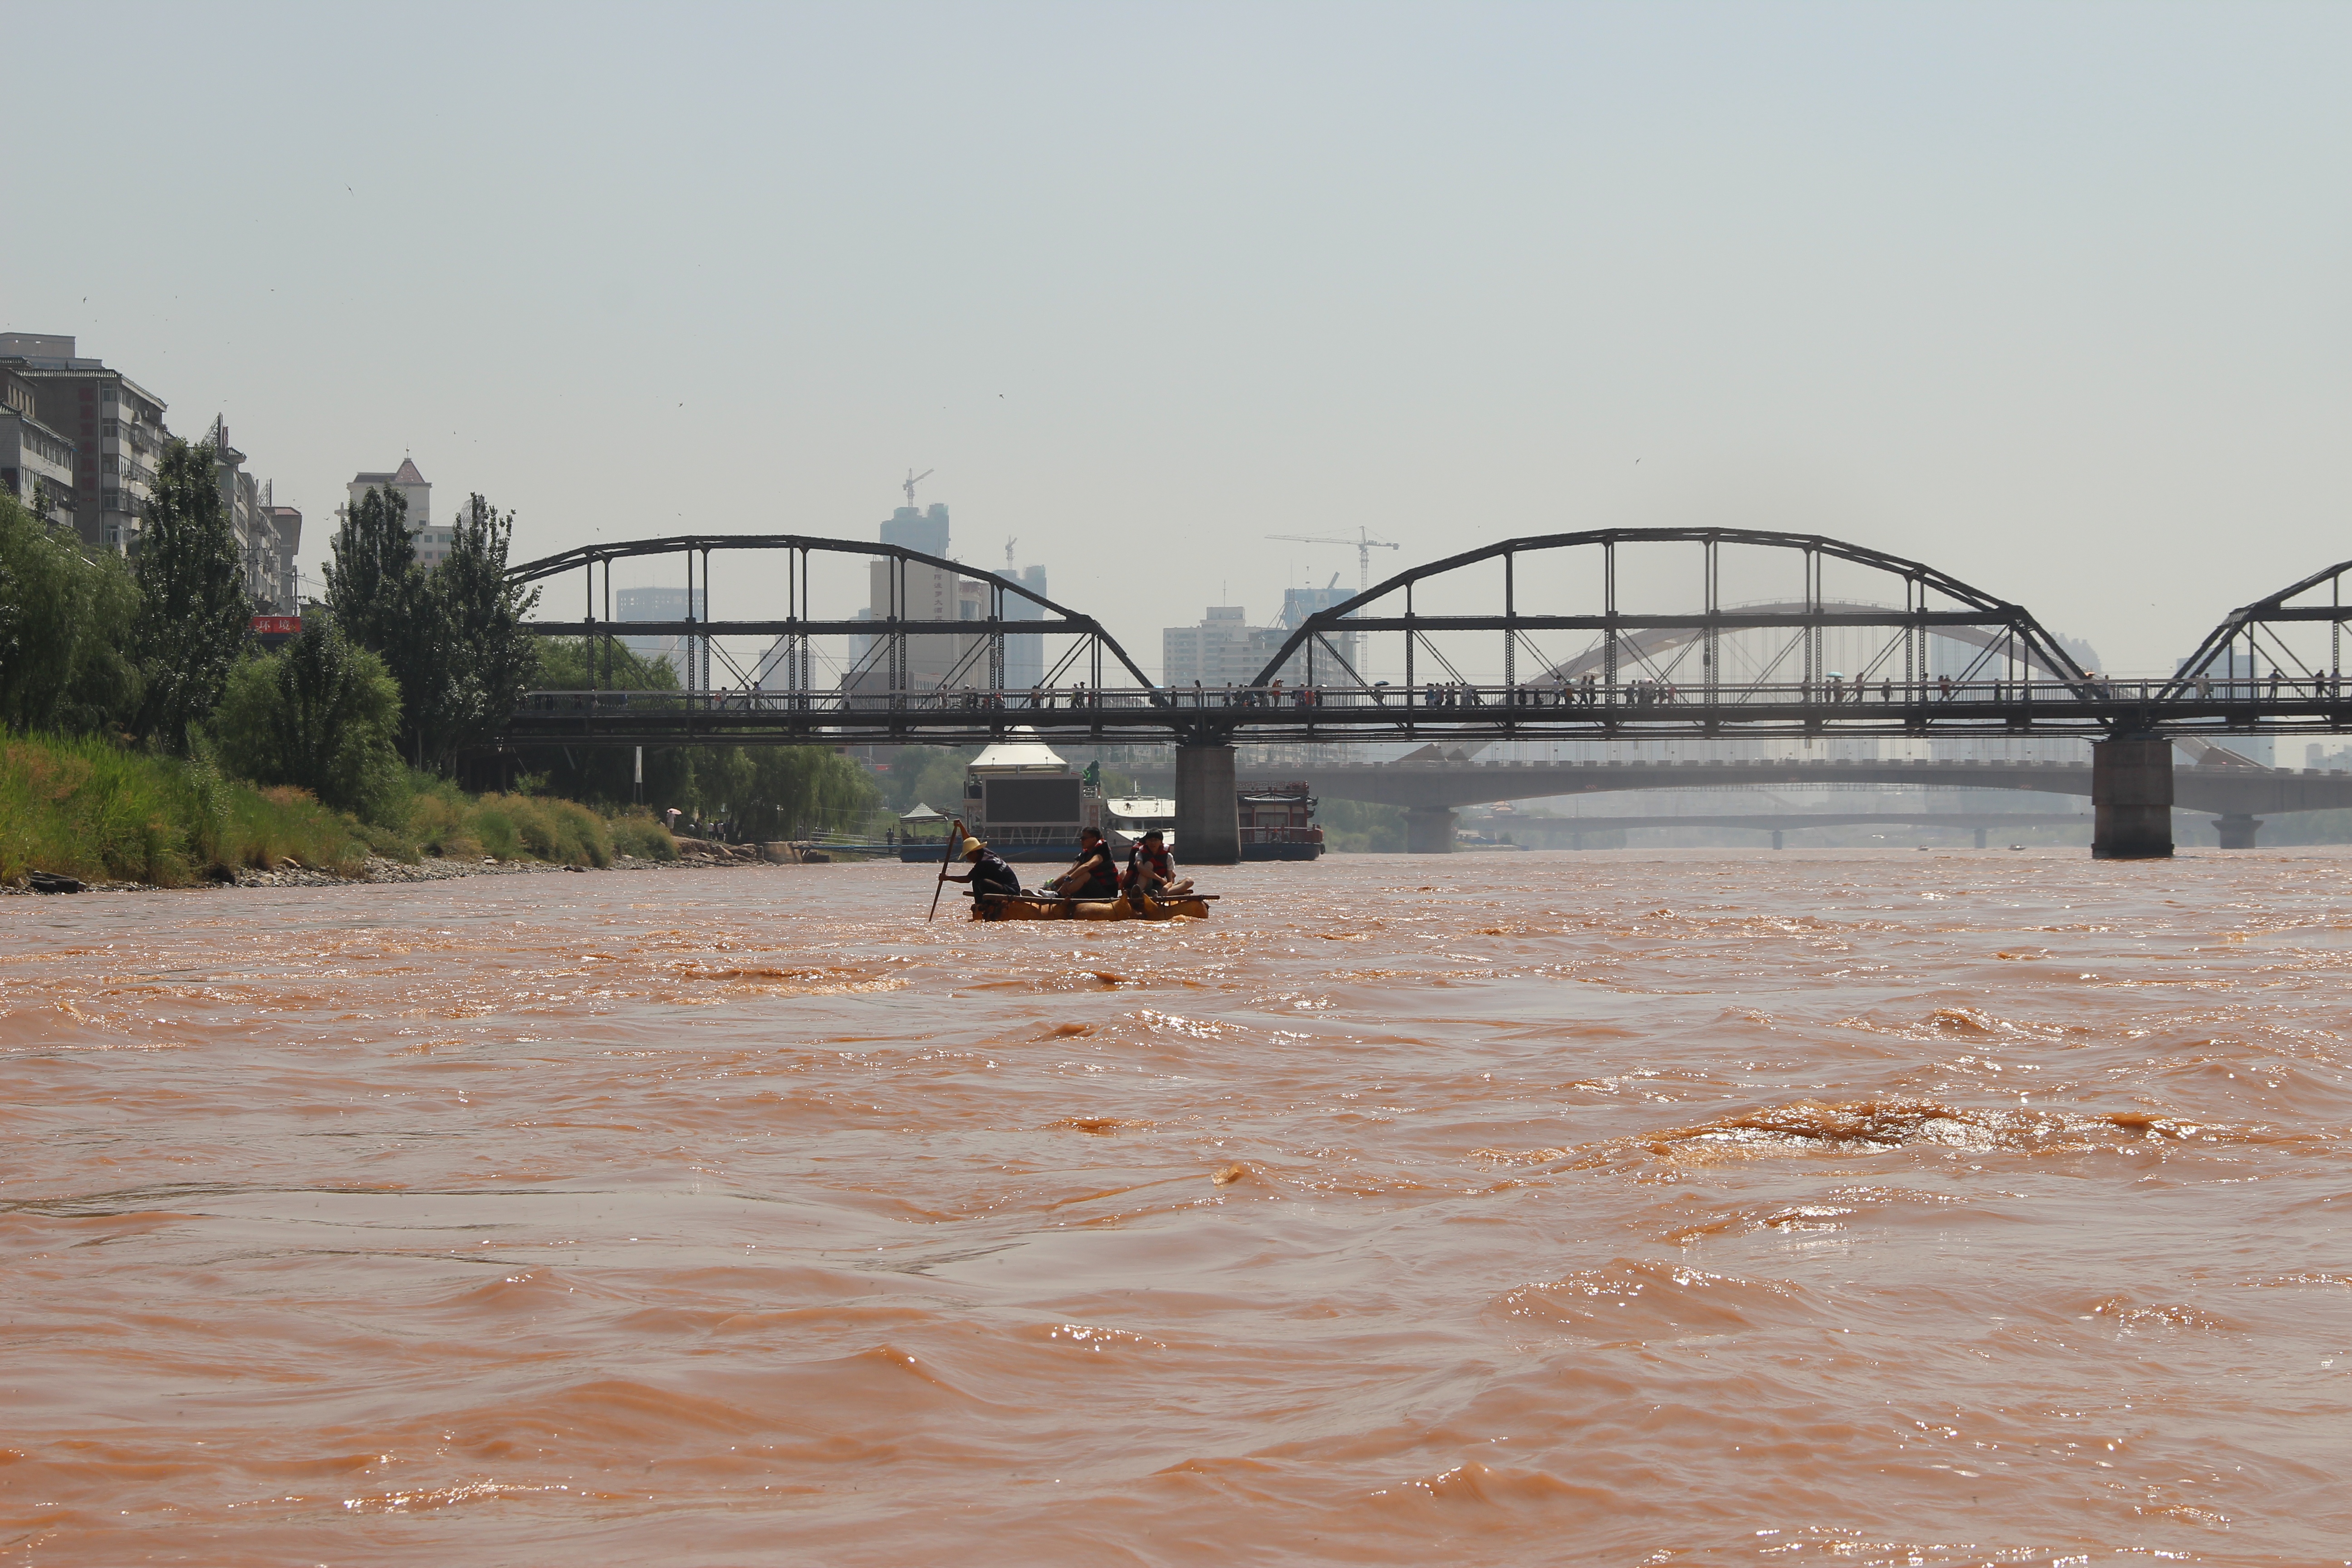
(378, 869)
(692, 855)
(86, 809)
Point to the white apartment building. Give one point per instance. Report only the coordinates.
(1224, 650)
(428, 540)
(115, 425)
(35, 460)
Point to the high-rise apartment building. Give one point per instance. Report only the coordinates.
(917, 590)
(1224, 650)
(429, 543)
(1024, 656)
(35, 460)
(925, 531)
(115, 425)
(1297, 604)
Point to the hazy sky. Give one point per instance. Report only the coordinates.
(2052, 297)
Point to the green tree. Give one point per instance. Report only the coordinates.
(577, 664)
(193, 616)
(604, 774)
(1360, 828)
(380, 595)
(795, 791)
(928, 775)
(319, 713)
(65, 622)
(486, 659)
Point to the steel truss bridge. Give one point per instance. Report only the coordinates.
(1607, 635)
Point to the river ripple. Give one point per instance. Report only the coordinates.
(1610, 1208)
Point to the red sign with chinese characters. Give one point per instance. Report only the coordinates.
(278, 626)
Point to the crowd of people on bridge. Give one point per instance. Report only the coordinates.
(1560, 690)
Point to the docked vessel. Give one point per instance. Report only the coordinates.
(1277, 821)
(1022, 799)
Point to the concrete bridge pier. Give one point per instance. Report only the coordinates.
(1208, 812)
(1980, 837)
(1776, 838)
(1429, 830)
(2131, 799)
(2237, 829)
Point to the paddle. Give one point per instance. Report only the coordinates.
(947, 858)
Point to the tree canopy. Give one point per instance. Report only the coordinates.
(194, 616)
(66, 614)
(321, 714)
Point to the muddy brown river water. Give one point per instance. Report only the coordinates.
(1539, 1208)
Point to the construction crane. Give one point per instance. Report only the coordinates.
(914, 478)
(1363, 543)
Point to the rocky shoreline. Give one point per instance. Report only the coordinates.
(693, 855)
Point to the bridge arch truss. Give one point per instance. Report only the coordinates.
(1654, 645)
(790, 676)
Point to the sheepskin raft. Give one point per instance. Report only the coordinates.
(1054, 907)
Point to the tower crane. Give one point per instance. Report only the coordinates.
(912, 479)
(1363, 544)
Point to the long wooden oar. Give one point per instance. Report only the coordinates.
(947, 858)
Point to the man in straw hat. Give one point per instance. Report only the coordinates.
(989, 872)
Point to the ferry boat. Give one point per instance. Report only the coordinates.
(1278, 823)
(1022, 800)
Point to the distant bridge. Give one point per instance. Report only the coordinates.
(1617, 634)
(1432, 791)
(1526, 831)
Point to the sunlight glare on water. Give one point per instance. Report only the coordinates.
(1612, 1207)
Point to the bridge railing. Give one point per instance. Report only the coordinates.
(1456, 697)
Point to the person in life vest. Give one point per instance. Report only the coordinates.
(1151, 872)
(1093, 876)
(989, 873)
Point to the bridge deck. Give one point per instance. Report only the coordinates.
(1137, 715)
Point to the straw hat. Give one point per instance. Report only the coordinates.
(972, 847)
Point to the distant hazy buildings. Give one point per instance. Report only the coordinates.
(1024, 656)
(115, 426)
(1297, 604)
(924, 530)
(918, 591)
(429, 544)
(268, 535)
(688, 657)
(1224, 649)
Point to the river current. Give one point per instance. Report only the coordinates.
(1620, 1209)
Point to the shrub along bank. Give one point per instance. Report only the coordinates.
(89, 807)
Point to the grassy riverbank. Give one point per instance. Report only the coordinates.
(86, 807)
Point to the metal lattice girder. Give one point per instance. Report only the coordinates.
(1057, 619)
(1622, 633)
(2242, 633)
